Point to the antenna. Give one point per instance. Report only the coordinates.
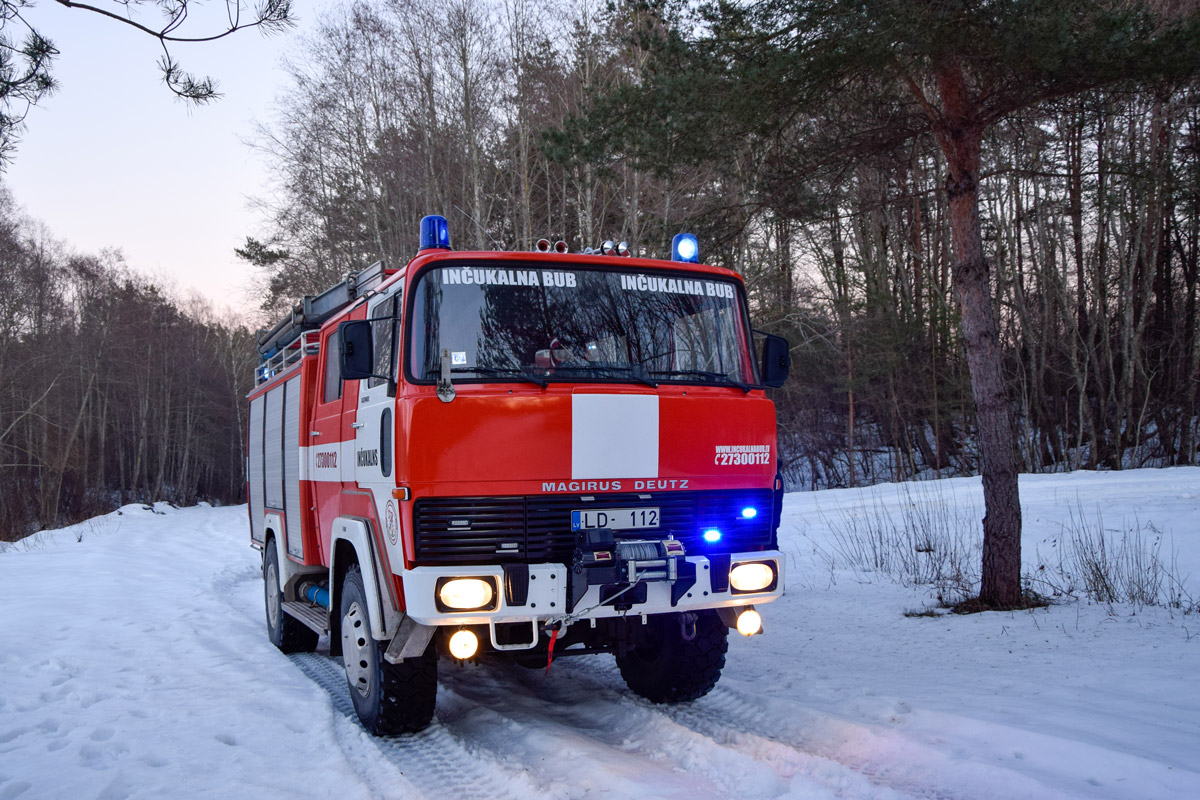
(477, 225)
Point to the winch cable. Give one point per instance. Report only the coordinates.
(556, 624)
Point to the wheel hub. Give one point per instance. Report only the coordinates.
(356, 649)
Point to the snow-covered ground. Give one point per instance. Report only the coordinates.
(134, 663)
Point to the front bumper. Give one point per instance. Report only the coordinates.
(548, 592)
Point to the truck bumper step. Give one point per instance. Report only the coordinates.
(313, 617)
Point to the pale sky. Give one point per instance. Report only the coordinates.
(114, 159)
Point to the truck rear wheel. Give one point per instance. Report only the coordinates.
(287, 633)
(666, 666)
(389, 698)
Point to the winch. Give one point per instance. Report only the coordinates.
(624, 567)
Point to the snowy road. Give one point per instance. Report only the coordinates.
(133, 663)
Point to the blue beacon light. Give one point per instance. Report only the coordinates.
(712, 535)
(749, 512)
(685, 248)
(435, 233)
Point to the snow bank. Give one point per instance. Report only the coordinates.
(134, 663)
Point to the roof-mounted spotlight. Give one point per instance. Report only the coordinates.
(685, 248)
(560, 247)
(623, 249)
(542, 246)
(435, 233)
(608, 248)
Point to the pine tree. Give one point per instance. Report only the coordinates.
(822, 84)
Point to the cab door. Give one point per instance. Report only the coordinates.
(375, 423)
(329, 447)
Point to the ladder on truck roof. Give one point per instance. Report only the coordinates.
(284, 344)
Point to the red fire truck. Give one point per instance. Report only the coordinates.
(530, 455)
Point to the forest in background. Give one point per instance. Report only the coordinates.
(112, 391)
(1090, 214)
(470, 109)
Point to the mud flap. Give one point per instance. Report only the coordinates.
(410, 640)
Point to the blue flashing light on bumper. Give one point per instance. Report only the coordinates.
(712, 535)
(749, 512)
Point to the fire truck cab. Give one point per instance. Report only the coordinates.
(517, 455)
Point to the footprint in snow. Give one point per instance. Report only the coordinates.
(102, 734)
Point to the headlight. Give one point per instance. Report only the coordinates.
(464, 644)
(754, 577)
(466, 594)
(749, 622)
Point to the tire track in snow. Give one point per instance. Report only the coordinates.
(433, 760)
(792, 742)
(589, 699)
(780, 729)
(597, 740)
(723, 745)
(575, 741)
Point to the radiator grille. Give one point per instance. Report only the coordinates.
(505, 530)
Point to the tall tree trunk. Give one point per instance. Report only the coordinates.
(960, 133)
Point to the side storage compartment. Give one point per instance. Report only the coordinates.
(254, 468)
(280, 474)
(290, 453)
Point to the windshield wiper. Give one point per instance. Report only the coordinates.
(511, 372)
(703, 373)
(624, 370)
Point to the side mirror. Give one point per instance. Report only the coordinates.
(357, 359)
(776, 360)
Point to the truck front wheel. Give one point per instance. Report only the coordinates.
(389, 698)
(287, 633)
(674, 659)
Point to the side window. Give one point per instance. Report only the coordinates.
(385, 443)
(384, 333)
(333, 377)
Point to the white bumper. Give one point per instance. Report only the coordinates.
(548, 595)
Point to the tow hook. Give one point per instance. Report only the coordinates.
(687, 626)
(554, 628)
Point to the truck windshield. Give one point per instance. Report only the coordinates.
(522, 322)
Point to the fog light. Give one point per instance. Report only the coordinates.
(751, 577)
(464, 643)
(748, 623)
(466, 593)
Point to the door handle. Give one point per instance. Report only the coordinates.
(314, 433)
(357, 424)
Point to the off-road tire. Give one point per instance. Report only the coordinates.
(286, 632)
(665, 667)
(389, 698)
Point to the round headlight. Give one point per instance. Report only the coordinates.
(463, 644)
(751, 577)
(749, 622)
(466, 593)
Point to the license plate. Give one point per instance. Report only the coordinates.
(617, 519)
